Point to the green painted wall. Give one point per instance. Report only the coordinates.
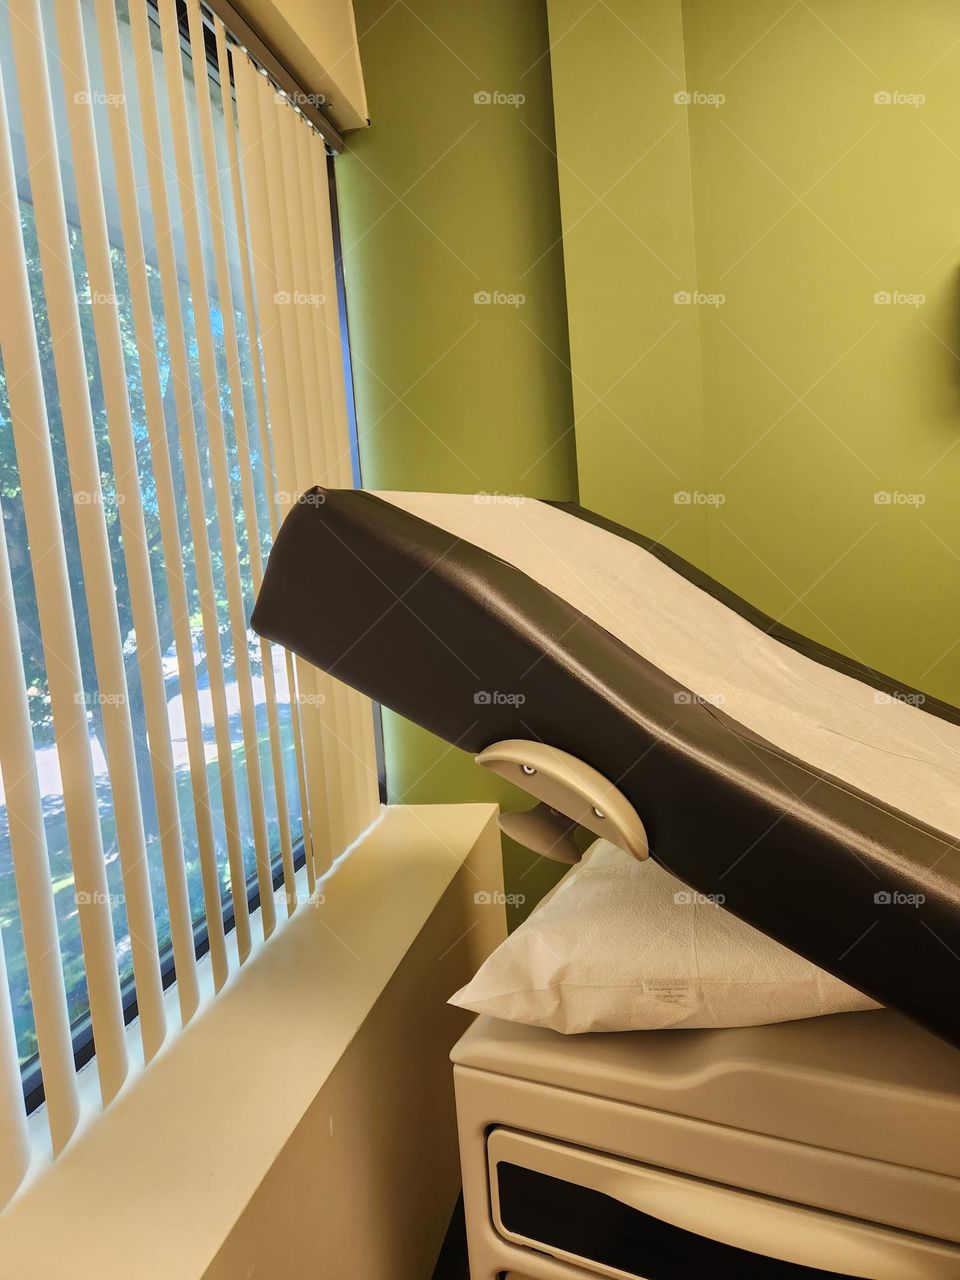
(800, 397)
(752, 433)
(445, 198)
(624, 168)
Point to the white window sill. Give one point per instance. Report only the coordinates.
(154, 1186)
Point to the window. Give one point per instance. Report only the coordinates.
(174, 770)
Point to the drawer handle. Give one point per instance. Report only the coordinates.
(741, 1219)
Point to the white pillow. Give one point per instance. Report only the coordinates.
(621, 945)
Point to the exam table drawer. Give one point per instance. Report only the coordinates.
(622, 1219)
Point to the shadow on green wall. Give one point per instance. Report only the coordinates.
(454, 277)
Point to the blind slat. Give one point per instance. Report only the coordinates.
(328, 445)
(321, 439)
(336, 447)
(223, 67)
(38, 917)
(301, 767)
(187, 428)
(161, 749)
(14, 1145)
(364, 739)
(106, 320)
(311, 693)
(78, 429)
(325, 708)
(284, 398)
(313, 685)
(217, 450)
(21, 359)
(309, 430)
(248, 494)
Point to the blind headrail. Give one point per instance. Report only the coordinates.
(260, 52)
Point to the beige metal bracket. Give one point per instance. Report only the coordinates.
(570, 793)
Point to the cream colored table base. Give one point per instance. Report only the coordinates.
(832, 1143)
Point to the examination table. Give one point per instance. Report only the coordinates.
(816, 798)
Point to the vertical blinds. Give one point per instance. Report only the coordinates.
(172, 380)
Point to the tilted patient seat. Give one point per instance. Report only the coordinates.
(820, 799)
